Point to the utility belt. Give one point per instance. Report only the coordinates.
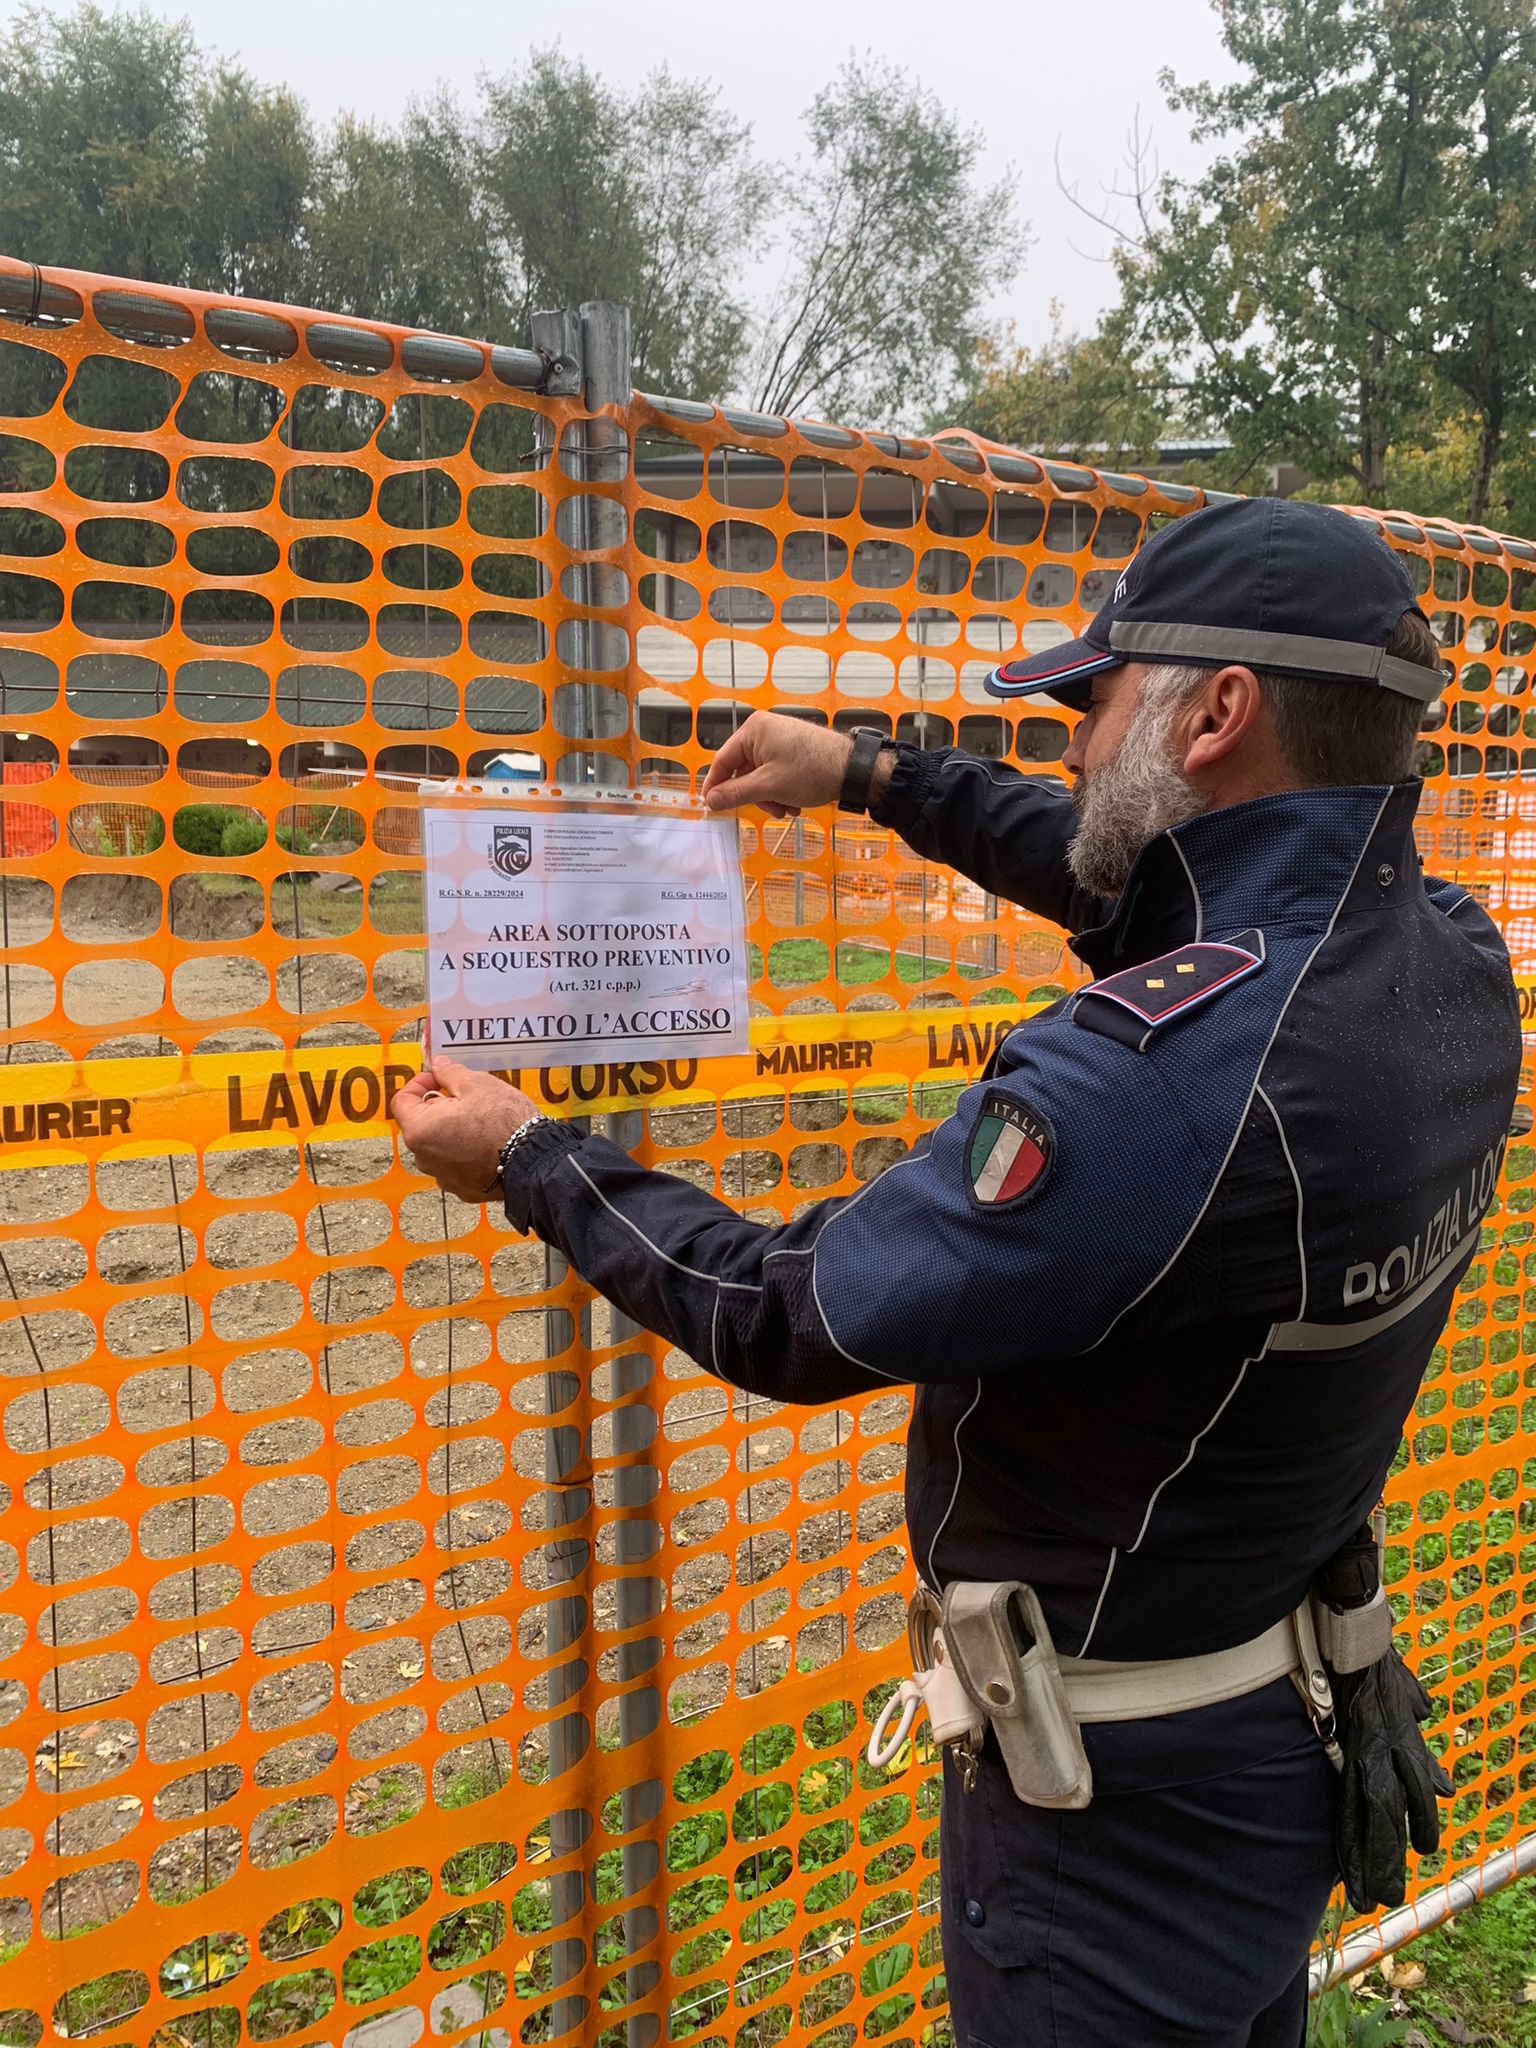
(983, 1656)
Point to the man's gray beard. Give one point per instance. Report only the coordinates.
(1139, 793)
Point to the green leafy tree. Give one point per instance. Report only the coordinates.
(648, 197)
(126, 148)
(893, 250)
(1433, 477)
(400, 230)
(1078, 395)
(253, 186)
(98, 126)
(1290, 280)
(1357, 265)
(1486, 253)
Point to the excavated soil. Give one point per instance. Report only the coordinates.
(455, 1625)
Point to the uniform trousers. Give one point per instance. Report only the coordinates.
(1175, 1911)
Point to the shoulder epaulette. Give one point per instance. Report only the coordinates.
(1132, 1005)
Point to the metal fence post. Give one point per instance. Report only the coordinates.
(605, 333)
(567, 1623)
(595, 452)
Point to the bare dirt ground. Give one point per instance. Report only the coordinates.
(496, 1351)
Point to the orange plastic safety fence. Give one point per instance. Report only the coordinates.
(394, 1642)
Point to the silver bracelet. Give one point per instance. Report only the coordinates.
(518, 1136)
(512, 1144)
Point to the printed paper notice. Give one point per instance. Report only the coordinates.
(577, 937)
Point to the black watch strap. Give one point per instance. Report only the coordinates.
(854, 794)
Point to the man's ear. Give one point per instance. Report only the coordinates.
(1221, 718)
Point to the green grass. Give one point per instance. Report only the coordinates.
(795, 963)
(379, 1968)
(479, 1780)
(394, 1800)
(394, 905)
(390, 1897)
(1476, 1968)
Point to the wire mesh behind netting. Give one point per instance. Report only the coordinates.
(394, 1642)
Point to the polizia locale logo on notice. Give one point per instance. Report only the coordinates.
(511, 849)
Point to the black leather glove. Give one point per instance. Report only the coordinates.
(1390, 1782)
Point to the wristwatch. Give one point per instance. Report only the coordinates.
(867, 742)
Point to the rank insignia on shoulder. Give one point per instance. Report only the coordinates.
(1010, 1152)
(1133, 1004)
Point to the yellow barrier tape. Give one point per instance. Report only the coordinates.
(119, 1107)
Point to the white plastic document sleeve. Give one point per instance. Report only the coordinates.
(560, 938)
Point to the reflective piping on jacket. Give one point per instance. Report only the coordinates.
(879, 1371)
(1301, 1241)
(1178, 1251)
(1257, 1358)
(954, 1491)
(1167, 1480)
(710, 1279)
(1305, 1336)
(713, 1279)
(1093, 1619)
(1194, 887)
(737, 1286)
(1194, 1444)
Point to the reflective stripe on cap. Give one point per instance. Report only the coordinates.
(1292, 652)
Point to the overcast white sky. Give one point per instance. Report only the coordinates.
(1032, 73)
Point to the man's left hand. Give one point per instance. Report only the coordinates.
(456, 1121)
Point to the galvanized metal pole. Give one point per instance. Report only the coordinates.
(605, 334)
(595, 454)
(558, 335)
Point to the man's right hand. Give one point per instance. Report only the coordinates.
(785, 765)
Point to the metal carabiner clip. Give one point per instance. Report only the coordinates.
(922, 1621)
(908, 1697)
(934, 1687)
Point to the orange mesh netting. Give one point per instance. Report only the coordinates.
(394, 1641)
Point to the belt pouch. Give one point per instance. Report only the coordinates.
(1001, 1649)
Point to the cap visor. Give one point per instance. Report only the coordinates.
(1064, 672)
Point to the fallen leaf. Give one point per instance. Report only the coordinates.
(127, 1806)
(410, 1670)
(1402, 1974)
(67, 1760)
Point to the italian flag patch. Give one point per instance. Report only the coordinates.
(1010, 1152)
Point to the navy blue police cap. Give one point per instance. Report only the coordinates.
(1271, 583)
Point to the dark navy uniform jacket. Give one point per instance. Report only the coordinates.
(1168, 1279)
